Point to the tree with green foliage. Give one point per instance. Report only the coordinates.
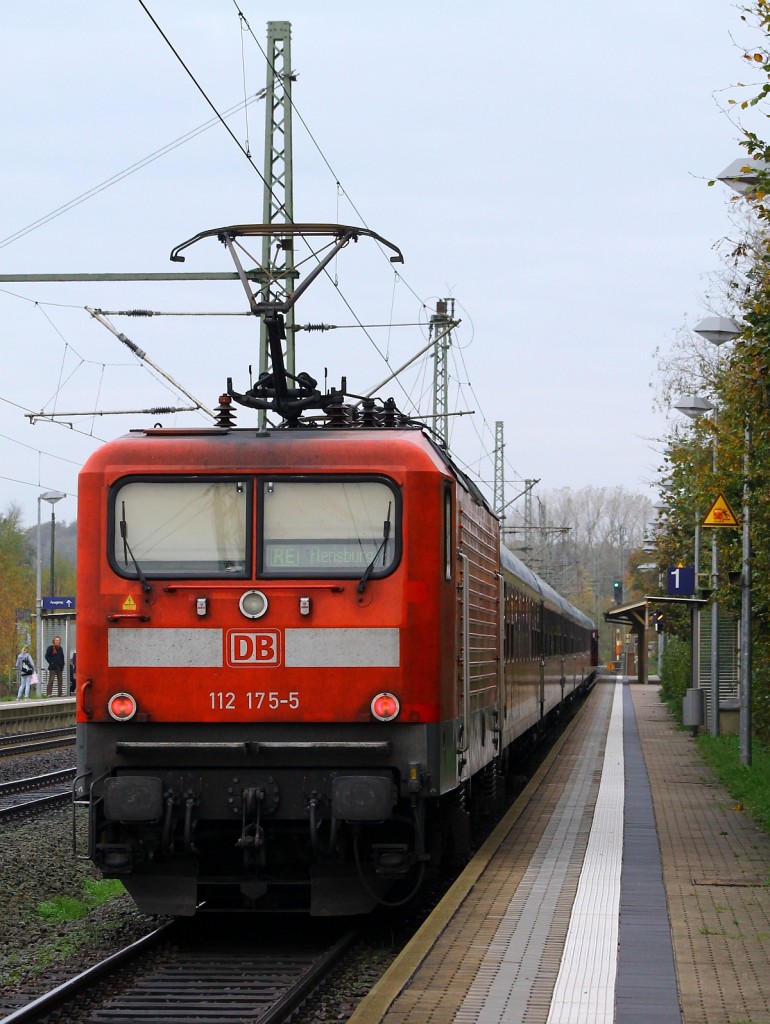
(17, 585)
(713, 456)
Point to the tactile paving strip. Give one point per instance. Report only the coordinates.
(585, 987)
(511, 893)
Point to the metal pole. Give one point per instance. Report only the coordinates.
(717, 330)
(440, 327)
(745, 674)
(53, 497)
(696, 611)
(53, 546)
(499, 487)
(714, 689)
(38, 610)
(278, 192)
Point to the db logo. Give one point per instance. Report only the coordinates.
(254, 647)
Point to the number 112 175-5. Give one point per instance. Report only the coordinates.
(226, 700)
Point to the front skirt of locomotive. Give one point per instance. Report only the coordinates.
(326, 822)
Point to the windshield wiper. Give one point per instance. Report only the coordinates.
(381, 549)
(127, 552)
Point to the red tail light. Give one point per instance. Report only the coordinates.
(122, 706)
(385, 707)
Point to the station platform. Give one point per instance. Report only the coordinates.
(623, 887)
(20, 716)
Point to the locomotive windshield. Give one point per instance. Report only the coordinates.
(306, 527)
(181, 527)
(331, 528)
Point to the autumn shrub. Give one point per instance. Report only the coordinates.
(675, 674)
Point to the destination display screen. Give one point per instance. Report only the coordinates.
(318, 555)
(320, 527)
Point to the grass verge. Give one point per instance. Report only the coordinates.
(747, 784)
(68, 908)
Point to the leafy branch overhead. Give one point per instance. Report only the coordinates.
(736, 379)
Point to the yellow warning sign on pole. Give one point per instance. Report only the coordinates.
(720, 514)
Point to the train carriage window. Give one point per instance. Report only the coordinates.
(329, 527)
(180, 527)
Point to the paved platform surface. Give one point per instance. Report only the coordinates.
(716, 865)
(624, 886)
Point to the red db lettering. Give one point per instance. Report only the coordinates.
(265, 647)
(253, 647)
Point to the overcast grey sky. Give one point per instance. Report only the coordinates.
(545, 164)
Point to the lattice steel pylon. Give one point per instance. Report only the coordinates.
(441, 330)
(529, 484)
(498, 500)
(278, 201)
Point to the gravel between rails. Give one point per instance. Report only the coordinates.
(37, 865)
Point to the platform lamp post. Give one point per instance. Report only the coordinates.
(717, 330)
(694, 406)
(742, 175)
(744, 730)
(52, 497)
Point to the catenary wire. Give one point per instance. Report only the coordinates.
(341, 188)
(32, 448)
(246, 153)
(120, 175)
(203, 93)
(220, 118)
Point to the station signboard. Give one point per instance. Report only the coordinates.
(680, 581)
(58, 604)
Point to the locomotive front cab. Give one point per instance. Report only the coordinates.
(258, 693)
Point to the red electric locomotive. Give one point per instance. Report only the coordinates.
(301, 655)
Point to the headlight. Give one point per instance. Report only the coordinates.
(253, 604)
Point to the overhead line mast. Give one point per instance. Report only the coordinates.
(498, 503)
(278, 195)
(441, 324)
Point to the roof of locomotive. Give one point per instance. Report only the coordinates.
(522, 572)
(229, 448)
(129, 452)
(414, 443)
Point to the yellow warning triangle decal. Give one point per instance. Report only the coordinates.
(129, 605)
(720, 514)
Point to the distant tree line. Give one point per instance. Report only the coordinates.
(584, 541)
(18, 583)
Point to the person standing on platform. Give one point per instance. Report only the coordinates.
(26, 669)
(54, 655)
(72, 672)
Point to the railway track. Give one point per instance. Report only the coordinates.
(218, 970)
(53, 789)
(31, 742)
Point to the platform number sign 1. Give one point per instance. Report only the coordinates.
(680, 580)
